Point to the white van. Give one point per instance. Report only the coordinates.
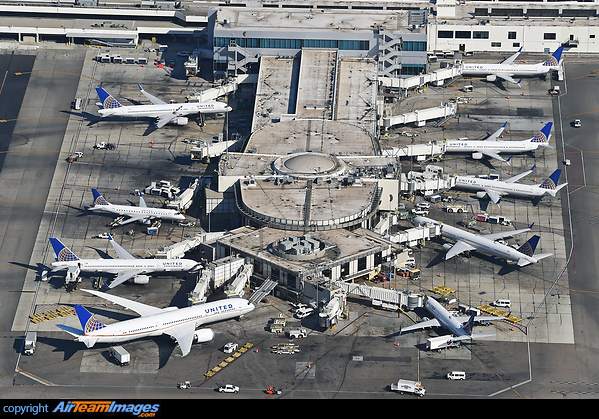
(456, 375)
(502, 303)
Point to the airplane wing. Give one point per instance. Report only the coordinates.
(511, 59)
(164, 119)
(507, 77)
(516, 178)
(132, 220)
(496, 134)
(503, 234)
(458, 248)
(120, 252)
(493, 195)
(421, 325)
(151, 98)
(184, 336)
(141, 309)
(494, 155)
(123, 277)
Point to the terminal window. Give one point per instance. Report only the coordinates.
(549, 35)
(480, 34)
(445, 34)
(511, 35)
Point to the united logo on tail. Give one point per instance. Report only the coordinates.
(543, 135)
(99, 199)
(88, 322)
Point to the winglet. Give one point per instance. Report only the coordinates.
(533, 167)
(531, 226)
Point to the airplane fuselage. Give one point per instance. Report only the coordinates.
(130, 211)
(482, 244)
(445, 318)
(153, 111)
(473, 146)
(159, 323)
(514, 189)
(515, 70)
(115, 266)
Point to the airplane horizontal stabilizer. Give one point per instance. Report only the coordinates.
(70, 330)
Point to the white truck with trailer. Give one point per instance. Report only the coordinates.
(441, 342)
(30, 341)
(120, 355)
(407, 386)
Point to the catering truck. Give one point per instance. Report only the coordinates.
(440, 342)
(30, 340)
(407, 386)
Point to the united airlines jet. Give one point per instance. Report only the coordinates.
(179, 323)
(453, 323)
(492, 147)
(507, 70)
(126, 267)
(496, 189)
(162, 112)
(466, 241)
(141, 213)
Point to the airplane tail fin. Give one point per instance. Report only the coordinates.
(529, 247)
(88, 321)
(62, 253)
(108, 102)
(551, 183)
(98, 198)
(543, 135)
(554, 59)
(142, 201)
(468, 327)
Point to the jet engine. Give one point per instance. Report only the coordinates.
(447, 247)
(481, 194)
(477, 156)
(141, 279)
(491, 77)
(203, 335)
(180, 120)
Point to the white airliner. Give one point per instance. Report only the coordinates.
(507, 70)
(496, 189)
(451, 322)
(141, 213)
(179, 323)
(162, 112)
(466, 241)
(492, 147)
(125, 267)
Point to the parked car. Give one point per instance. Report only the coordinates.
(228, 388)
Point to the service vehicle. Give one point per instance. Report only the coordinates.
(228, 388)
(303, 312)
(577, 123)
(230, 347)
(419, 211)
(501, 303)
(407, 386)
(103, 145)
(297, 334)
(120, 355)
(456, 208)
(30, 342)
(75, 156)
(456, 375)
(554, 91)
(441, 342)
(297, 306)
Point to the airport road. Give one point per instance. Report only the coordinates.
(40, 122)
(581, 146)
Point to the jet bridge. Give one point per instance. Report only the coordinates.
(235, 288)
(420, 116)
